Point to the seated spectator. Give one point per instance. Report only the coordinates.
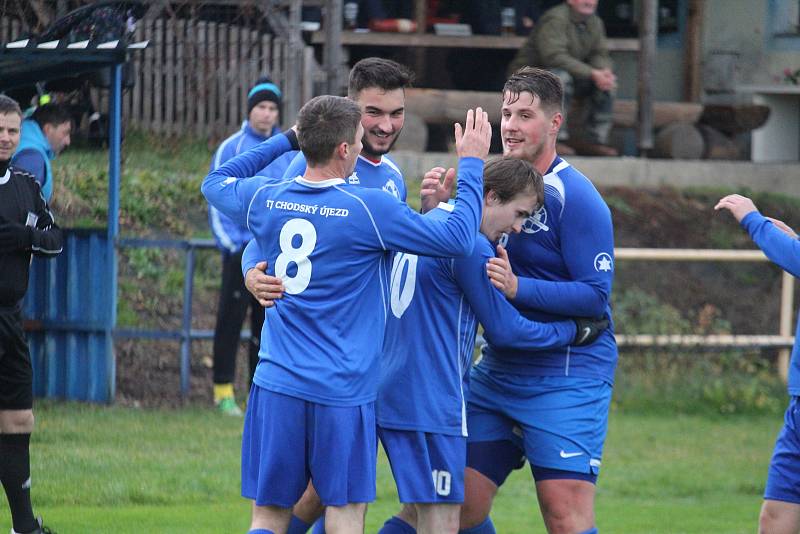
(570, 41)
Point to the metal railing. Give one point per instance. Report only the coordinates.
(784, 340)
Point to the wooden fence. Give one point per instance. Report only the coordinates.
(194, 75)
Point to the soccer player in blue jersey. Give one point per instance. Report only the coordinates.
(436, 304)
(311, 408)
(549, 405)
(780, 512)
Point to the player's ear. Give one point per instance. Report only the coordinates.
(555, 122)
(492, 199)
(343, 149)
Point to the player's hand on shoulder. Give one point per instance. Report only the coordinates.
(738, 205)
(783, 227)
(436, 186)
(588, 329)
(265, 288)
(500, 274)
(474, 139)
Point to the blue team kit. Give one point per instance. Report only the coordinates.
(564, 258)
(325, 238)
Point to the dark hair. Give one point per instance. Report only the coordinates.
(323, 123)
(378, 72)
(53, 114)
(509, 177)
(9, 105)
(538, 82)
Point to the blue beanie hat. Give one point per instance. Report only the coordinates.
(264, 89)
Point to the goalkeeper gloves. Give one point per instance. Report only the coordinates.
(588, 329)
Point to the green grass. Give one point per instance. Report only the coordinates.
(121, 470)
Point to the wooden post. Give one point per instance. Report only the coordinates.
(421, 16)
(180, 80)
(693, 46)
(169, 68)
(294, 61)
(647, 56)
(147, 76)
(158, 76)
(231, 93)
(201, 56)
(333, 46)
(787, 312)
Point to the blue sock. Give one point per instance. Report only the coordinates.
(319, 526)
(395, 525)
(297, 526)
(592, 530)
(260, 531)
(487, 527)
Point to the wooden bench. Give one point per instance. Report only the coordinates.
(429, 40)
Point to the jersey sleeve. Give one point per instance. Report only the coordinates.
(46, 239)
(31, 161)
(399, 228)
(231, 187)
(502, 324)
(587, 246)
(777, 246)
(251, 256)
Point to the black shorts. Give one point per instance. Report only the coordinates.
(16, 373)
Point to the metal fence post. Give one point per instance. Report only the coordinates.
(186, 330)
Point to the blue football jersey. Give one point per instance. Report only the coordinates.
(383, 174)
(436, 305)
(564, 258)
(785, 253)
(330, 243)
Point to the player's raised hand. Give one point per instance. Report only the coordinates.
(783, 227)
(265, 288)
(738, 205)
(474, 139)
(437, 186)
(500, 274)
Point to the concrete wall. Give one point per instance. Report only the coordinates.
(741, 27)
(647, 173)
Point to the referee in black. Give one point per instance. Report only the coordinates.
(26, 227)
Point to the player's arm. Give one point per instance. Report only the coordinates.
(775, 239)
(227, 187)
(265, 288)
(587, 246)
(502, 324)
(42, 238)
(400, 228)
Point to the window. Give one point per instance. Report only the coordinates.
(785, 18)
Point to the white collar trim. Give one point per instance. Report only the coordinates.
(324, 183)
(6, 177)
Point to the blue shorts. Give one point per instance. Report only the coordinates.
(288, 441)
(427, 468)
(783, 480)
(559, 423)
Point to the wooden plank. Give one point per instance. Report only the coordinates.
(200, 57)
(440, 106)
(499, 42)
(307, 87)
(180, 80)
(134, 117)
(158, 77)
(170, 98)
(648, 20)
(212, 119)
(693, 45)
(244, 76)
(233, 91)
(147, 75)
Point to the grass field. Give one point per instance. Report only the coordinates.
(122, 470)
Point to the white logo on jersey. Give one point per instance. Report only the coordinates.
(353, 179)
(441, 482)
(569, 454)
(536, 222)
(603, 262)
(391, 188)
(402, 291)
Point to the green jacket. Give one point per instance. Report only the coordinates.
(560, 40)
